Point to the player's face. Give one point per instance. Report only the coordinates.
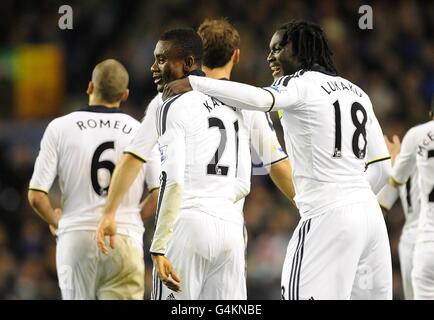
(280, 58)
(167, 65)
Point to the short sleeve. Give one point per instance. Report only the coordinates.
(153, 169)
(146, 136)
(263, 139)
(287, 93)
(45, 170)
(405, 162)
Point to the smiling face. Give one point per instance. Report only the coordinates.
(281, 59)
(167, 66)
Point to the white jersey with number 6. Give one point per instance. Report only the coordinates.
(82, 148)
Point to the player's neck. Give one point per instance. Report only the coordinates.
(93, 101)
(218, 73)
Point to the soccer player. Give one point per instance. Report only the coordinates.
(82, 149)
(221, 53)
(340, 249)
(205, 169)
(410, 201)
(417, 153)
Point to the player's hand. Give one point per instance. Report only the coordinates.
(56, 218)
(176, 87)
(106, 227)
(166, 273)
(393, 146)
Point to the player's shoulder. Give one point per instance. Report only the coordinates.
(184, 102)
(421, 129)
(157, 101)
(285, 80)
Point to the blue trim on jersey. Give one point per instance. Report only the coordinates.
(100, 109)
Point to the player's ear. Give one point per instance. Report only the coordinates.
(125, 95)
(189, 63)
(90, 88)
(236, 56)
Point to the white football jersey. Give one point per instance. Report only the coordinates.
(204, 147)
(331, 133)
(264, 145)
(82, 148)
(417, 152)
(146, 137)
(410, 200)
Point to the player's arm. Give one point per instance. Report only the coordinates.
(44, 173)
(244, 170)
(378, 165)
(126, 171)
(405, 162)
(173, 149)
(281, 174)
(149, 204)
(404, 165)
(237, 94)
(266, 145)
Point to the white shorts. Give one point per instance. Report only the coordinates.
(86, 274)
(207, 253)
(423, 271)
(341, 254)
(406, 251)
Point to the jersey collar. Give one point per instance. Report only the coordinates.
(100, 109)
(319, 68)
(196, 72)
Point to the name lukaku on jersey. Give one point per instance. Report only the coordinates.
(101, 123)
(340, 86)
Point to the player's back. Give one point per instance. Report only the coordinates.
(216, 144)
(425, 165)
(330, 135)
(410, 201)
(89, 143)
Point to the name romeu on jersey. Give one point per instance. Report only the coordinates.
(82, 149)
(331, 134)
(205, 158)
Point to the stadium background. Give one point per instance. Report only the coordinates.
(44, 72)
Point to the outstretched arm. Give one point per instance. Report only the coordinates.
(237, 94)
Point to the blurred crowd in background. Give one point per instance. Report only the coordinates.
(44, 73)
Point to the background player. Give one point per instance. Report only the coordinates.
(417, 153)
(410, 201)
(82, 149)
(221, 53)
(331, 135)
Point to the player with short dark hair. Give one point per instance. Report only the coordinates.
(205, 170)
